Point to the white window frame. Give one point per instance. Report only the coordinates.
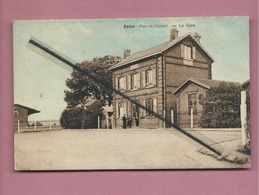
(122, 83)
(149, 107)
(188, 53)
(150, 78)
(122, 109)
(135, 81)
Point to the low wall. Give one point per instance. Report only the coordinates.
(216, 129)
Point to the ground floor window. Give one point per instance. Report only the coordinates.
(134, 110)
(121, 109)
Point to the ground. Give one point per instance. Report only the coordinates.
(115, 149)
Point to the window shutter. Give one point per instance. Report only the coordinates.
(150, 80)
(121, 110)
(143, 111)
(155, 105)
(182, 50)
(129, 82)
(154, 76)
(143, 79)
(138, 80)
(125, 108)
(194, 53)
(116, 83)
(117, 111)
(124, 82)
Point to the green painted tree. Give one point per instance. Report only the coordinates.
(221, 106)
(82, 88)
(81, 117)
(72, 118)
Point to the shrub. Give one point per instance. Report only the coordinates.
(221, 107)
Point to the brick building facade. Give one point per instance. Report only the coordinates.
(189, 95)
(151, 76)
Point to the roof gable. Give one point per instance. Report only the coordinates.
(205, 83)
(159, 49)
(30, 110)
(246, 84)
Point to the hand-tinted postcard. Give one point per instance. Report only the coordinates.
(127, 94)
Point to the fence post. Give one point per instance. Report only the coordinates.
(164, 118)
(172, 116)
(107, 120)
(98, 122)
(191, 118)
(35, 126)
(112, 122)
(243, 117)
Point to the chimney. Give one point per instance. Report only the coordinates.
(173, 34)
(126, 53)
(197, 37)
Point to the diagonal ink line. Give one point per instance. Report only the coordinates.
(105, 84)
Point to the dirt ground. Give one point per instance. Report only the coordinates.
(115, 149)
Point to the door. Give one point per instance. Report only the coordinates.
(135, 114)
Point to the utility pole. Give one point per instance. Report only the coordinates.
(243, 117)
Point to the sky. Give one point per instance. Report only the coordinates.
(39, 83)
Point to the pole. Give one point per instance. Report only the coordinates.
(243, 117)
(107, 120)
(112, 122)
(98, 122)
(164, 118)
(172, 116)
(35, 126)
(191, 118)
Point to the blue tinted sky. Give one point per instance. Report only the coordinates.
(40, 83)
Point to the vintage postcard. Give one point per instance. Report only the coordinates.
(127, 94)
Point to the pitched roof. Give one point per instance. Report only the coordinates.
(30, 110)
(108, 108)
(159, 49)
(206, 83)
(246, 84)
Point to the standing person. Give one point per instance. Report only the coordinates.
(129, 122)
(124, 120)
(137, 119)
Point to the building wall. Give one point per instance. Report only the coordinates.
(139, 94)
(20, 114)
(177, 72)
(184, 118)
(172, 69)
